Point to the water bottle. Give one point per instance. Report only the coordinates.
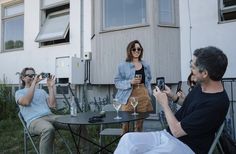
(73, 107)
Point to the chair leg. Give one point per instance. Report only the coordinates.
(220, 148)
(36, 150)
(101, 142)
(25, 142)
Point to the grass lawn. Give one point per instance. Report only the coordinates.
(11, 136)
(11, 139)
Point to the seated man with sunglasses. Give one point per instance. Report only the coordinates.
(35, 107)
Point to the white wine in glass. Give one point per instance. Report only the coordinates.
(138, 76)
(117, 106)
(134, 103)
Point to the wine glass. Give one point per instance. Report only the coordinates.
(134, 103)
(138, 76)
(117, 106)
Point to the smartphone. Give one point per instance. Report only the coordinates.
(160, 82)
(179, 86)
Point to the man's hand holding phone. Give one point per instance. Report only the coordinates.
(160, 82)
(160, 96)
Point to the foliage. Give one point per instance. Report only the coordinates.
(14, 44)
(7, 103)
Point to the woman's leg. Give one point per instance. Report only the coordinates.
(126, 107)
(139, 126)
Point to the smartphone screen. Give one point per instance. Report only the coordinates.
(179, 86)
(160, 81)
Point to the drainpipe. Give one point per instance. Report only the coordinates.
(81, 27)
(85, 90)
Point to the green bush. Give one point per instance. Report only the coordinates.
(7, 103)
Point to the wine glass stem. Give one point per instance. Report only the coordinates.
(134, 110)
(117, 115)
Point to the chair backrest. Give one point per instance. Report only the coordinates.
(22, 120)
(216, 140)
(108, 107)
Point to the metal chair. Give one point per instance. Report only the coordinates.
(28, 135)
(109, 131)
(216, 140)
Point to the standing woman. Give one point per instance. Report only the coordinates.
(129, 86)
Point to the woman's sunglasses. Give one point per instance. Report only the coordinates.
(136, 49)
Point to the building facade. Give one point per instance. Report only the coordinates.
(83, 41)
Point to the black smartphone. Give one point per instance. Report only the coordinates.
(179, 86)
(160, 82)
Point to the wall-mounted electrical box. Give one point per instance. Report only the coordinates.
(70, 70)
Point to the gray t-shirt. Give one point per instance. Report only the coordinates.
(37, 108)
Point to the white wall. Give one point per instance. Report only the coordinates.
(205, 31)
(43, 59)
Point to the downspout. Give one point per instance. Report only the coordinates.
(85, 106)
(81, 27)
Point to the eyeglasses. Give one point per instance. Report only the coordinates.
(30, 75)
(136, 49)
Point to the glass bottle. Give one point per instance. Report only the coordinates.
(73, 107)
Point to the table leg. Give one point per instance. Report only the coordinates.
(73, 137)
(105, 147)
(86, 139)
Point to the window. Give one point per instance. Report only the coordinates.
(121, 13)
(55, 25)
(13, 27)
(53, 3)
(227, 10)
(166, 12)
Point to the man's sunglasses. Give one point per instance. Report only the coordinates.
(136, 49)
(30, 75)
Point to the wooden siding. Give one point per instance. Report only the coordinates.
(161, 47)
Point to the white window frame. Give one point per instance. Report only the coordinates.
(227, 9)
(9, 17)
(46, 4)
(55, 35)
(173, 22)
(114, 28)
